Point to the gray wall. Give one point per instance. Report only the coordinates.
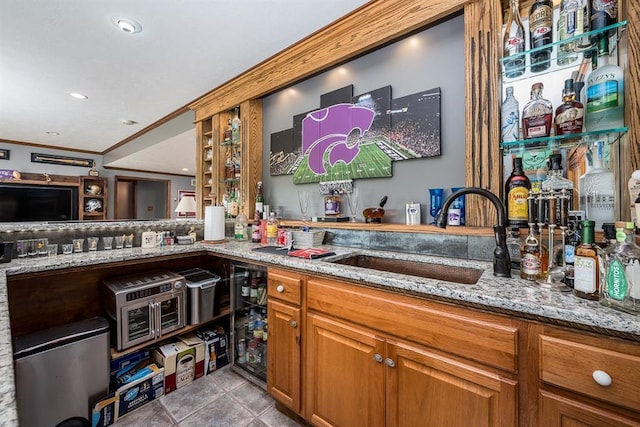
(431, 58)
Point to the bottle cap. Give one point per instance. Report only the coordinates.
(555, 162)
(568, 85)
(535, 86)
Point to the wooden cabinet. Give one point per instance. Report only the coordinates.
(284, 349)
(92, 204)
(215, 147)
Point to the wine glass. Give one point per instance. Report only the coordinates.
(303, 199)
(435, 195)
(352, 200)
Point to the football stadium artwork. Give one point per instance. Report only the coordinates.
(355, 137)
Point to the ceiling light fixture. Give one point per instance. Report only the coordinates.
(128, 122)
(128, 25)
(185, 169)
(77, 95)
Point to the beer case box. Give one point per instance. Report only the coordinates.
(216, 349)
(128, 359)
(183, 362)
(129, 397)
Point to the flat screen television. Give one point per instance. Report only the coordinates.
(23, 203)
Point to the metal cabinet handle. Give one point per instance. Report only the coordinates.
(280, 289)
(294, 324)
(602, 378)
(377, 357)
(390, 363)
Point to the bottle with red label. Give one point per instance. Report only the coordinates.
(570, 114)
(540, 29)
(537, 114)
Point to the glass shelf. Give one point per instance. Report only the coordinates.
(230, 143)
(609, 136)
(618, 27)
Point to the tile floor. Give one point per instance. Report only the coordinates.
(222, 399)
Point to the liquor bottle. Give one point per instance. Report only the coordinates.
(556, 182)
(530, 257)
(537, 114)
(259, 200)
(621, 285)
(605, 93)
(253, 297)
(603, 14)
(229, 169)
(573, 21)
(241, 226)
(233, 204)
(586, 271)
(272, 230)
(516, 190)
(235, 127)
(513, 43)
(332, 204)
(570, 114)
(514, 243)
(228, 132)
(237, 165)
(596, 190)
(256, 230)
(540, 27)
(510, 117)
(245, 289)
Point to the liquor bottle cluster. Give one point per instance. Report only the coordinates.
(575, 17)
(251, 324)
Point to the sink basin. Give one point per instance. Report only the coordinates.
(449, 273)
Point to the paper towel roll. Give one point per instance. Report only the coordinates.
(214, 223)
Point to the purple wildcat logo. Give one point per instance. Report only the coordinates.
(326, 131)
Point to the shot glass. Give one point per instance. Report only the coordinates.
(41, 246)
(67, 248)
(52, 249)
(93, 243)
(22, 248)
(119, 241)
(78, 245)
(128, 241)
(32, 249)
(108, 242)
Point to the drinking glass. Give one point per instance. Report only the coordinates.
(78, 245)
(93, 243)
(41, 246)
(108, 242)
(32, 247)
(352, 200)
(128, 241)
(119, 241)
(303, 199)
(22, 248)
(435, 195)
(52, 249)
(67, 248)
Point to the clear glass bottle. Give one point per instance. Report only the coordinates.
(259, 200)
(541, 33)
(510, 117)
(272, 229)
(556, 182)
(530, 256)
(605, 93)
(516, 189)
(241, 227)
(514, 244)
(537, 114)
(572, 21)
(570, 114)
(235, 126)
(621, 284)
(513, 42)
(586, 270)
(596, 189)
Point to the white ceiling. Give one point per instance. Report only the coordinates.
(49, 48)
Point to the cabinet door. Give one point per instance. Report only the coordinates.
(427, 389)
(345, 374)
(283, 354)
(557, 411)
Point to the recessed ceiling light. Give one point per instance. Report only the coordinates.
(128, 122)
(185, 169)
(128, 25)
(78, 95)
(52, 133)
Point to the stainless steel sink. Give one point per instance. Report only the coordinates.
(449, 273)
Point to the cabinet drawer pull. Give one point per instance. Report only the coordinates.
(602, 378)
(280, 289)
(377, 358)
(294, 324)
(390, 363)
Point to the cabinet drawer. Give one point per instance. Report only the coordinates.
(285, 286)
(571, 365)
(474, 335)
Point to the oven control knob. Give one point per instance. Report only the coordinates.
(177, 284)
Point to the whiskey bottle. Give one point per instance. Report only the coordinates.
(228, 132)
(586, 271)
(540, 28)
(603, 14)
(513, 43)
(605, 93)
(516, 189)
(537, 114)
(510, 117)
(235, 126)
(573, 21)
(596, 190)
(570, 114)
(621, 285)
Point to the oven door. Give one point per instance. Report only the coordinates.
(170, 313)
(137, 324)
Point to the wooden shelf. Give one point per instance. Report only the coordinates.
(223, 312)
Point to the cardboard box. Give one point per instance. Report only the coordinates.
(183, 362)
(128, 359)
(129, 397)
(216, 348)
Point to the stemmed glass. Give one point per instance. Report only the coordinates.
(303, 199)
(352, 200)
(435, 195)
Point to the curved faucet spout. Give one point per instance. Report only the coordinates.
(501, 259)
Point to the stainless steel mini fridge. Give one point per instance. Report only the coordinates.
(249, 327)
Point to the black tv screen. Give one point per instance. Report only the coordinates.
(22, 203)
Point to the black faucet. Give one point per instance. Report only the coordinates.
(501, 259)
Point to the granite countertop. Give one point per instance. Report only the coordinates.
(512, 296)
